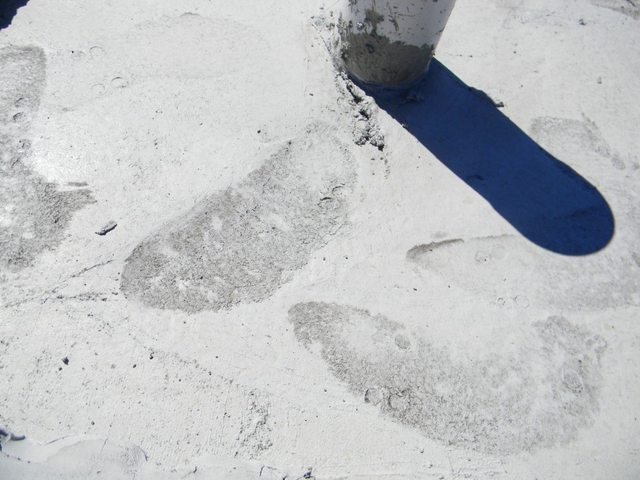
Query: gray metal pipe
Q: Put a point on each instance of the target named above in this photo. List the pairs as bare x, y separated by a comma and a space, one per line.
390, 42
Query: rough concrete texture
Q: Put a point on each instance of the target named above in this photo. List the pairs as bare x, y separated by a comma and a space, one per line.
377, 60
537, 398
238, 246
298, 284
390, 43
34, 213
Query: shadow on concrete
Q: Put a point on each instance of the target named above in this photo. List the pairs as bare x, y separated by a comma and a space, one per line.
544, 199
8, 10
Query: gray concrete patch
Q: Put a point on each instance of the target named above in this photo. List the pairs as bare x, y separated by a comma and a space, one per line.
539, 397
33, 213
378, 47
378, 60
238, 245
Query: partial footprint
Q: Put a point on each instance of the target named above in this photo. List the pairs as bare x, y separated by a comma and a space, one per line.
238, 245
539, 397
630, 8
33, 213
574, 138
73, 458
509, 271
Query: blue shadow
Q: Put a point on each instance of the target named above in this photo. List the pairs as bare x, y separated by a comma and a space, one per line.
8, 9
541, 197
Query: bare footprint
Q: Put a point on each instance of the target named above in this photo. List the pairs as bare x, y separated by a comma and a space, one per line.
33, 213
579, 138
505, 269
238, 245
539, 397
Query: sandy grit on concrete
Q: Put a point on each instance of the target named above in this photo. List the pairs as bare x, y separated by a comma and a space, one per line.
296, 286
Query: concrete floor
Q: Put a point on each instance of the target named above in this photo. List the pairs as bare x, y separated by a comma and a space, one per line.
219, 258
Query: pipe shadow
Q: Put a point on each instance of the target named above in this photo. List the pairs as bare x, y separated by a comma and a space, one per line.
544, 199
8, 10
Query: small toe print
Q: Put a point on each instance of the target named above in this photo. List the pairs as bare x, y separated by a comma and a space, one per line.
119, 82
96, 52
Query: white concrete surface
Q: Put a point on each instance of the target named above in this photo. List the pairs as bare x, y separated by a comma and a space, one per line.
297, 286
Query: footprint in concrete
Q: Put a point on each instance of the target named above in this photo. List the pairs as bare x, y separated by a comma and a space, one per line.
33, 213
239, 245
504, 268
630, 8
540, 396
574, 138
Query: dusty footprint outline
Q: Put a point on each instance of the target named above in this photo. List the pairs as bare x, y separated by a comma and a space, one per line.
507, 268
629, 8
494, 405
238, 245
35, 212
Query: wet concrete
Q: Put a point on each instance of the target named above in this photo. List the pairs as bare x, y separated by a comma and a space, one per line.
377, 60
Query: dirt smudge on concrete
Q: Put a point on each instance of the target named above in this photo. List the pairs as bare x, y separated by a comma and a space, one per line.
630, 8
240, 245
540, 396
419, 250
34, 214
